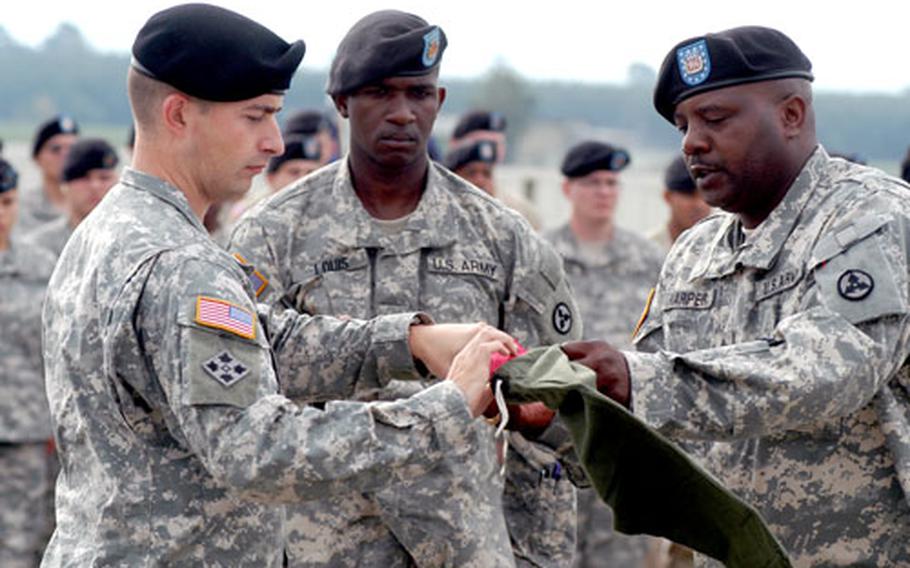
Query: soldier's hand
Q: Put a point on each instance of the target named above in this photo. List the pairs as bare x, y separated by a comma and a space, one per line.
609, 365
470, 369
531, 419
436, 345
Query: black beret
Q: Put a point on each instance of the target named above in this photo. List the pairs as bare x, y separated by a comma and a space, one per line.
732, 57
677, 177
9, 177
88, 154
385, 44
480, 151
479, 120
297, 147
215, 54
591, 156
305, 122
51, 128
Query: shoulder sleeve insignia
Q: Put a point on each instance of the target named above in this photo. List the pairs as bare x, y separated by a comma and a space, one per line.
257, 279
223, 315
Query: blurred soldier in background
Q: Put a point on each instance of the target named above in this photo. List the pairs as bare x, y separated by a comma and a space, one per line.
310, 142
27, 461
686, 206
89, 172
314, 123
611, 271
49, 150
302, 155
479, 143
477, 125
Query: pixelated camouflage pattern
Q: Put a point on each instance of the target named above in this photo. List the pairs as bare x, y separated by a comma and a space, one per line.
164, 464
35, 209
760, 344
52, 236
24, 273
611, 289
461, 257
26, 481
26, 516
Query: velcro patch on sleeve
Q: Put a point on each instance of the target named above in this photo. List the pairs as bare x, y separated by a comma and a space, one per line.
226, 316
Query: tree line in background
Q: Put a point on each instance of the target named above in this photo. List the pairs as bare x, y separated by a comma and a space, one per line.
65, 74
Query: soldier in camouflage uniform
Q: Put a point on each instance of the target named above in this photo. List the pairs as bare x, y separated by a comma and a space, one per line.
611, 270
686, 206
780, 329
50, 147
89, 172
26, 458
386, 230
165, 379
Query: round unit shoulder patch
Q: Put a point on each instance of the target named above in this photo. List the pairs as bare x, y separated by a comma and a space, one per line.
562, 318
855, 285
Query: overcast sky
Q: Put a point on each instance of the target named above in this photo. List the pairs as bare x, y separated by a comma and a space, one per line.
855, 46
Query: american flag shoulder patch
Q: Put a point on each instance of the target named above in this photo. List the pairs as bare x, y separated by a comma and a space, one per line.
221, 314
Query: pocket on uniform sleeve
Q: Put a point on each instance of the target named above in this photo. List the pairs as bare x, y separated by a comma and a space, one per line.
856, 279
224, 356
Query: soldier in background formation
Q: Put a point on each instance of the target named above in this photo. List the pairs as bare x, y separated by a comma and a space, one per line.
49, 150
302, 155
479, 143
686, 206
166, 380
611, 271
780, 329
310, 142
384, 230
26, 454
314, 123
477, 125
90, 170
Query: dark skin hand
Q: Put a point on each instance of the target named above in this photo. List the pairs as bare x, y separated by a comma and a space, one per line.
609, 364
530, 419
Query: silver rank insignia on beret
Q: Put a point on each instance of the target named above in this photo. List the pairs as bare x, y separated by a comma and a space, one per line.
67, 125
694, 62
430, 47
618, 160
225, 368
487, 152
311, 149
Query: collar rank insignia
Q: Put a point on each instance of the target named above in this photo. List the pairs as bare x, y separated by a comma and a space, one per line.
430, 47
694, 63
225, 368
223, 315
